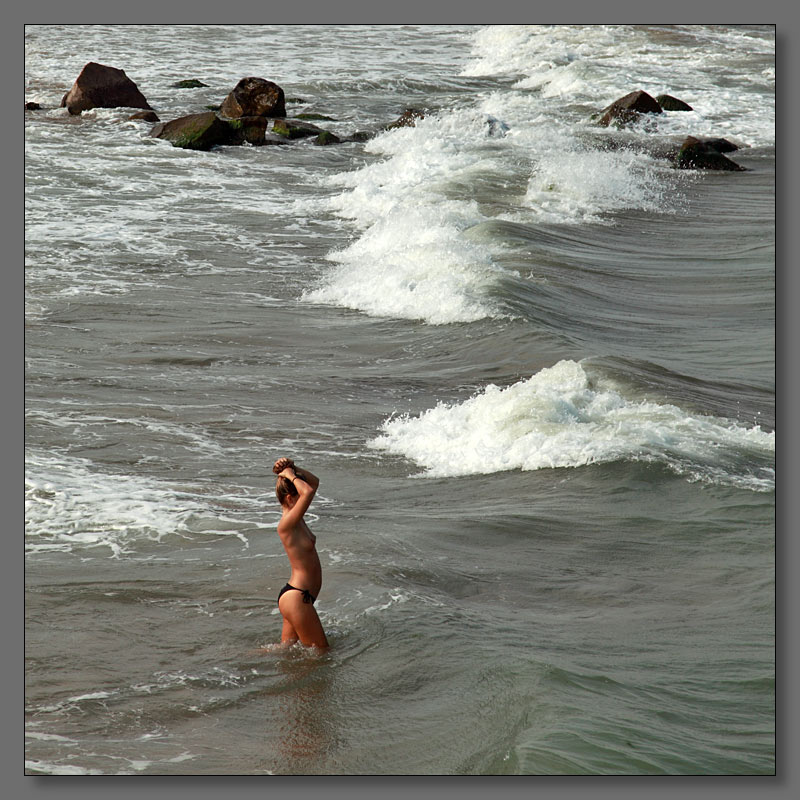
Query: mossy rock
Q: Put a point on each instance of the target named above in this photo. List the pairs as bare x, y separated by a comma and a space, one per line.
248, 129
326, 138
294, 129
296, 100
190, 83
310, 115
196, 131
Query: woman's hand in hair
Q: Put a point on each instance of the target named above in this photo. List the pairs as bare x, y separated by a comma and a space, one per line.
281, 464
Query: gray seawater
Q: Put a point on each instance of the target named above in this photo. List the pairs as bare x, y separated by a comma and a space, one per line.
532, 364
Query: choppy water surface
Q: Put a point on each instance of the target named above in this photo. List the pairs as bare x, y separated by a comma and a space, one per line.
532, 363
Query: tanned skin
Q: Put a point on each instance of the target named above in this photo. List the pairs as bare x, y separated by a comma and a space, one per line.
300, 620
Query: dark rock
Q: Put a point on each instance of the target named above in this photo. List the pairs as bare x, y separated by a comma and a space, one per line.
294, 129
296, 100
147, 116
670, 103
254, 97
248, 129
99, 86
311, 115
326, 138
32, 107
628, 109
189, 83
721, 145
406, 120
196, 131
361, 136
696, 154
214, 108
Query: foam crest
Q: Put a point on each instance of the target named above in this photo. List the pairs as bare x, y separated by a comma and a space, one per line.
537, 49
410, 266
411, 260
581, 185
561, 418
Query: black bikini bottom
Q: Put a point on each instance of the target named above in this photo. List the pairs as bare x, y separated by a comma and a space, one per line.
307, 596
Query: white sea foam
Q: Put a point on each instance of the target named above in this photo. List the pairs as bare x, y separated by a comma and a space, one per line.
48, 737
411, 260
573, 183
73, 703
561, 418
71, 506
449, 172
710, 67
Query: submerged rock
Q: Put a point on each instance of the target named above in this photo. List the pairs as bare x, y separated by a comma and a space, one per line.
670, 103
326, 138
254, 97
147, 116
31, 106
312, 115
361, 136
628, 109
196, 131
99, 86
189, 83
697, 154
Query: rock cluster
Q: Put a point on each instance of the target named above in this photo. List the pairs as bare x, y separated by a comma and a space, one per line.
693, 153
253, 112
698, 154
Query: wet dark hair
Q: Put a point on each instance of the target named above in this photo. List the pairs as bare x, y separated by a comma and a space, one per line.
285, 488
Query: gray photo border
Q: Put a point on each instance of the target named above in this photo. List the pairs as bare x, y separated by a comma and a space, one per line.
785, 784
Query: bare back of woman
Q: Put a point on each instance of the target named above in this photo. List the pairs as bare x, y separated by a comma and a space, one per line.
295, 489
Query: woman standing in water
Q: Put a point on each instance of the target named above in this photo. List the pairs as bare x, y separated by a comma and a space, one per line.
295, 489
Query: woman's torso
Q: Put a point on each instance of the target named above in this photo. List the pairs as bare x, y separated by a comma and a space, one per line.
300, 545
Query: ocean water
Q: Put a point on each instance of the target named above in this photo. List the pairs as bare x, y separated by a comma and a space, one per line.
531, 362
